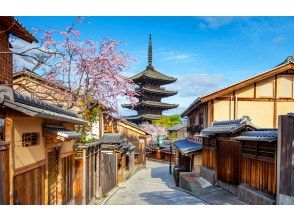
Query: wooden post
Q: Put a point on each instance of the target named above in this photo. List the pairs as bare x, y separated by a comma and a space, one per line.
46, 200
9, 137
84, 175
59, 177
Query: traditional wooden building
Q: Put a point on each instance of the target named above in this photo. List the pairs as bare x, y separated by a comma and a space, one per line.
41, 138
178, 131
132, 132
221, 153
150, 93
262, 97
116, 144
10, 26
242, 159
258, 163
188, 155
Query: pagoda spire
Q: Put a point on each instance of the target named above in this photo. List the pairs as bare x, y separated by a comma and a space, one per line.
150, 53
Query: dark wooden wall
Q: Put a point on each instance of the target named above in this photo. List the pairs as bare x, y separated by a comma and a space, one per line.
29, 187
4, 176
259, 175
286, 126
209, 154
229, 156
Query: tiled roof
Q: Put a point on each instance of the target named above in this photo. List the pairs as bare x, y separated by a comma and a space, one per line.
36, 108
289, 59
268, 135
153, 74
158, 91
177, 127
144, 116
290, 114
61, 131
153, 104
111, 138
228, 126
134, 125
120, 143
187, 146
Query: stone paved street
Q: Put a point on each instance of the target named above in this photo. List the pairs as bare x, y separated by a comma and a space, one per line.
152, 186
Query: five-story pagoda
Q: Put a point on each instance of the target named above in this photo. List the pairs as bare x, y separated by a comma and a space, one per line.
150, 92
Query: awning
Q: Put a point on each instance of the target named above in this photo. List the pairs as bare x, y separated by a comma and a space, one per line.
187, 146
60, 131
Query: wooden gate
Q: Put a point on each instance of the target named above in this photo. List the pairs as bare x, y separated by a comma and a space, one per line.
229, 154
90, 174
52, 176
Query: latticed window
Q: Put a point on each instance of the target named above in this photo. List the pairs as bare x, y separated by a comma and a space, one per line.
30, 139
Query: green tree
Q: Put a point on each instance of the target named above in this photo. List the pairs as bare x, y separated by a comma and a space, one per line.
167, 121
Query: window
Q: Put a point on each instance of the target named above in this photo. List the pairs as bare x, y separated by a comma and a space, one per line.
201, 121
30, 139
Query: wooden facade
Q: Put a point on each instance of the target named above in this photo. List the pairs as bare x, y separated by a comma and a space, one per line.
263, 98
244, 161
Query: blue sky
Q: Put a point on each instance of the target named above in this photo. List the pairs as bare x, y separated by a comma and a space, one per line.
204, 53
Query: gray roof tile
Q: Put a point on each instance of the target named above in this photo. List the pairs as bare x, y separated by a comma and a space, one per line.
228, 126
177, 127
61, 131
268, 135
111, 138
187, 146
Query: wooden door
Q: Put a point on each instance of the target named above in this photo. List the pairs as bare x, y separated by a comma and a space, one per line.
229, 156
52, 176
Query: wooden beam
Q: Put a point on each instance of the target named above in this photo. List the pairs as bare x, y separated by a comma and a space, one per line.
9, 137
254, 90
275, 102
29, 167
247, 82
59, 178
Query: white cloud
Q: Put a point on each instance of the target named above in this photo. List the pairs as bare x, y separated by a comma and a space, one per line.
214, 22
197, 84
175, 56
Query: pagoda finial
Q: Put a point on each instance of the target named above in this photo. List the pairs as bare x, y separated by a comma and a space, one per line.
150, 53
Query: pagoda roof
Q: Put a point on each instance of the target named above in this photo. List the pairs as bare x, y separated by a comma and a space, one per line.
152, 104
143, 117
151, 73
158, 91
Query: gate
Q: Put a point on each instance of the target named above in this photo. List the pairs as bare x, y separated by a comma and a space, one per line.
229, 154
52, 176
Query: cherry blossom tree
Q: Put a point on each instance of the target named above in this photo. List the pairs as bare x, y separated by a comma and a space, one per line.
84, 73
154, 131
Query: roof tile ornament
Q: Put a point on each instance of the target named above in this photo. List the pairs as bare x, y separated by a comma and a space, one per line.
289, 59
150, 53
